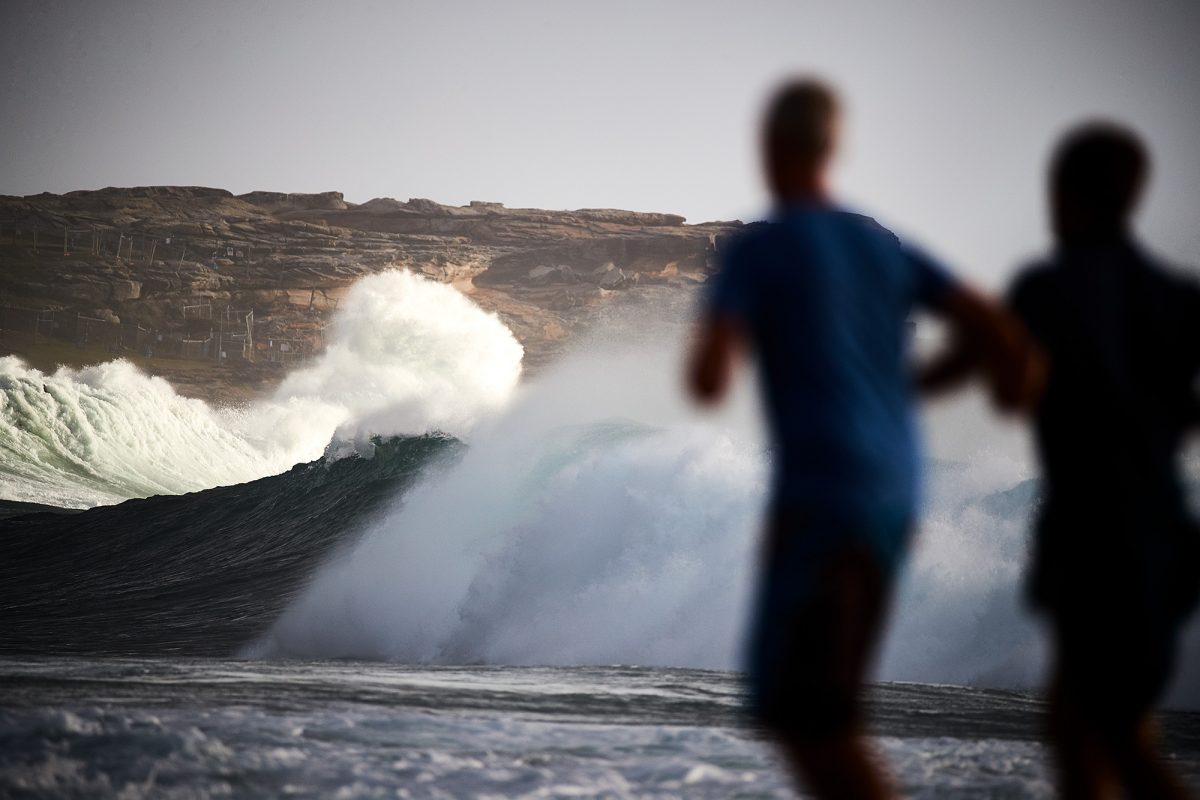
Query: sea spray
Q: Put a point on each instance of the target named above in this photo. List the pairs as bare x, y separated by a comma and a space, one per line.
596, 521
405, 356
600, 520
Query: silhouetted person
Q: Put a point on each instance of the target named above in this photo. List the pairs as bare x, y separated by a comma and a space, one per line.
1117, 559
820, 296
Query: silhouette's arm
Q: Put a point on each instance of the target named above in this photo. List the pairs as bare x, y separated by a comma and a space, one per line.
1191, 415
986, 338
949, 369
1193, 315
713, 357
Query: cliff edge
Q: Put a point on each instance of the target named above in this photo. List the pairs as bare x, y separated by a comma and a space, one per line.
221, 292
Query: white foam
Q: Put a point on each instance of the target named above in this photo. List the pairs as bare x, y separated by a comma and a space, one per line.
405, 355
597, 521
600, 521
408, 355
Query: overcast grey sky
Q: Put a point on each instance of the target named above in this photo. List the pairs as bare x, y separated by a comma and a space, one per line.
954, 105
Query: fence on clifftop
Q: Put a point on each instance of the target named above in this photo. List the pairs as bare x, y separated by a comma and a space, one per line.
231, 335
129, 245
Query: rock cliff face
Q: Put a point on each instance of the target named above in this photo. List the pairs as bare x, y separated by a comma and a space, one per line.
180, 263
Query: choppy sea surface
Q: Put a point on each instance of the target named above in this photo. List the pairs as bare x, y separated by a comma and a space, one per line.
179, 728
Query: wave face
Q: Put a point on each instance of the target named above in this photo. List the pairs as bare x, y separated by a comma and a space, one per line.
405, 356
200, 574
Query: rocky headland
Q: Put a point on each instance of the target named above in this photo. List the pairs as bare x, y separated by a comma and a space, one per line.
219, 293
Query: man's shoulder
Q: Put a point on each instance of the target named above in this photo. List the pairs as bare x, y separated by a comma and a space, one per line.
1176, 279
869, 225
1033, 278
753, 244
1036, 271
753, 234
1052, 274
794, 227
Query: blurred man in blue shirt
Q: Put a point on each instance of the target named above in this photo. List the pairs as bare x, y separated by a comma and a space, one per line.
821, 297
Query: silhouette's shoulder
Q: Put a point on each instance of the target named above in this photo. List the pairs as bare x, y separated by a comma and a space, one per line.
1033, 278
748, 233
1177, 300
798, 229
753, 231
748, 242
870, 225
1172, 277
1037, 292
1186, 284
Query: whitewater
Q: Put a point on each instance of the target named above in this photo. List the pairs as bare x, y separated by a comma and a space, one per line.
594, 517
404, 355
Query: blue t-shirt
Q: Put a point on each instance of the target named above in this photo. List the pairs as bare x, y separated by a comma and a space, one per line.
825, 295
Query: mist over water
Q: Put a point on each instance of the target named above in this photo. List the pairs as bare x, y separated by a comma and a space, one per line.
603, 520
600, 519
597, 521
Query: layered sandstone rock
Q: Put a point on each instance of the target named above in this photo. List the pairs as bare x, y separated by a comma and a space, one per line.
147, 254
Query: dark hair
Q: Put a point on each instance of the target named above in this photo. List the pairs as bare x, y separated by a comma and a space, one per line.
1100, 168
800, 119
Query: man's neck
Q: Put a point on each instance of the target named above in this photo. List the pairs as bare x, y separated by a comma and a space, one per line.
806, 199
1087, 239
802, 190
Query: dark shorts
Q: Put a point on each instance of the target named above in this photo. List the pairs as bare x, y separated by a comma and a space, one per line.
1113, 673
820, 610
1116, 597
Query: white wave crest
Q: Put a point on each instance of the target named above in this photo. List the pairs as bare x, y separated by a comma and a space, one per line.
405, 355
408, 355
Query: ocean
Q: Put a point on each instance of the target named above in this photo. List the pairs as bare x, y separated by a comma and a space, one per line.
409, 573
184, 728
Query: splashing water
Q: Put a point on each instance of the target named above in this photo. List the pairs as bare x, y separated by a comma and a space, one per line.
599, 520
406, 356
595, 520
107, 433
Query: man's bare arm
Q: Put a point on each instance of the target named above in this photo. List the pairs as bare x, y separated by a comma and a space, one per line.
987, 338
949, 369
714, 356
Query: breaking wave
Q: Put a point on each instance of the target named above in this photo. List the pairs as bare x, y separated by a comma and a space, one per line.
601, 521
405, 356
592, 518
